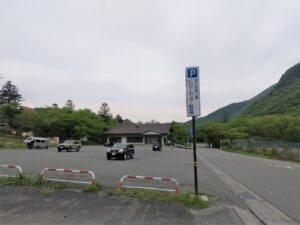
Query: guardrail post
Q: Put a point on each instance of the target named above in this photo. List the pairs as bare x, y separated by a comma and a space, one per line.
93, 181
176, 190
19, 168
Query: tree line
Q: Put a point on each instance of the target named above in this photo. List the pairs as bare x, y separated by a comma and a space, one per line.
64, 122
270, 127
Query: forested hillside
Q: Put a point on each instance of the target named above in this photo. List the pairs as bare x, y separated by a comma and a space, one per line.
233, 110
284, 98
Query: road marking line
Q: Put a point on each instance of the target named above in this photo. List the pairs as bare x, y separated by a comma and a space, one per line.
267, 213
254, 157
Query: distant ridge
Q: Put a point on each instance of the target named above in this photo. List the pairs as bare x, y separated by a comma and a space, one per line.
284, 98
280, 98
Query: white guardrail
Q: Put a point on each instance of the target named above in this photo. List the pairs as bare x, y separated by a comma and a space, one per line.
121, 185
182, 146
93, 181
19, 168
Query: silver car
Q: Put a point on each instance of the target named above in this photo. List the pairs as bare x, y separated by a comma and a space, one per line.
69, 145
36, 142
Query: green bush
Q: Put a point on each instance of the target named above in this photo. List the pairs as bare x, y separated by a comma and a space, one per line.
274, 152
93, 188
291, 156
183, 198
16, 181
265, 152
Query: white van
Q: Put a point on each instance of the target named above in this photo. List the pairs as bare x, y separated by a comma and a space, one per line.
36, 142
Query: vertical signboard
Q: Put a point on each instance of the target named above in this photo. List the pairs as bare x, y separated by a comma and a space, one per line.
192, 91
193, 109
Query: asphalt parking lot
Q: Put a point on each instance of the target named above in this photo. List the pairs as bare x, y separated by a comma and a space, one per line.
171, 162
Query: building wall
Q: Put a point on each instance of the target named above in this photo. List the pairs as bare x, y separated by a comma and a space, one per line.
124, 138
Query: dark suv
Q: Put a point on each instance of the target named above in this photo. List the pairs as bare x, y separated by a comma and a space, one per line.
121, 151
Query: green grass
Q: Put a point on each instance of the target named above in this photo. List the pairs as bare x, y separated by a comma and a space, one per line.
26, 181
47, 188
10, 141
93, 188
17, 181
186, 199
263, 154
9, 145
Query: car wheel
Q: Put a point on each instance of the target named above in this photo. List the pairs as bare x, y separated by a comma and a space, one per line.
78, 149
37, 147
124, 156
108, 157
69, 149
46, 147
59, 150
132, 155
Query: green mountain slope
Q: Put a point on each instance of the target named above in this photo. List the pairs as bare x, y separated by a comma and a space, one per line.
280, 98
231, 111
283, 99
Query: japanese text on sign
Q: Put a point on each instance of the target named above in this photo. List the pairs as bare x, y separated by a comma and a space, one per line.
192, 91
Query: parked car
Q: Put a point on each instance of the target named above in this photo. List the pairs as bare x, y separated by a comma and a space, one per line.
121, 151
108, 144
69, 145
36, 142
156, 147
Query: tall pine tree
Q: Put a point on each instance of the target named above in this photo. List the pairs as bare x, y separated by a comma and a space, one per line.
104, 112
10, 94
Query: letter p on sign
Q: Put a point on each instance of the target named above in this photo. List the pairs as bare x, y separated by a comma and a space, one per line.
192, 73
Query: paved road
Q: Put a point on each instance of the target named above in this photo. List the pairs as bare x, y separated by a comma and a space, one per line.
171, 162
27, 206
276, 182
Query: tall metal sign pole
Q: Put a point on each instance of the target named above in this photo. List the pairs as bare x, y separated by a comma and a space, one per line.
193, 109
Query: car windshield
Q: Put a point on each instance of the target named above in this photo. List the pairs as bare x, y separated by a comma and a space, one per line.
119, 145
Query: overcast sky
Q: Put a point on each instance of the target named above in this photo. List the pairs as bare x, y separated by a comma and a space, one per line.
132, 54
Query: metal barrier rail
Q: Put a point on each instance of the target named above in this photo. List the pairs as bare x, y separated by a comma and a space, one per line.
182, 146
19, 168
149, 178
69, 171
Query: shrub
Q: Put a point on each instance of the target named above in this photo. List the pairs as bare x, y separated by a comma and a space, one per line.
265, 152
274, 152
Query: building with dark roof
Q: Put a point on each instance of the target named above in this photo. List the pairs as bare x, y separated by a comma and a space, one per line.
139, 133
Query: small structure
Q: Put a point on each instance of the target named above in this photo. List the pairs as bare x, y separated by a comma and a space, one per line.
139, 133
53, 140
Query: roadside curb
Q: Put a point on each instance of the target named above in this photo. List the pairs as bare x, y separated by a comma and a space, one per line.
267, 213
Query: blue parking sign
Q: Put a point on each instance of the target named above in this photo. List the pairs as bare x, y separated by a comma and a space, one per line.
192, 72
192, 91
